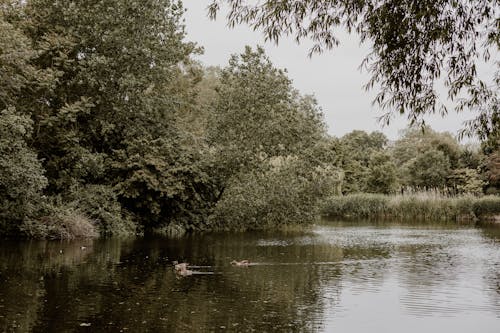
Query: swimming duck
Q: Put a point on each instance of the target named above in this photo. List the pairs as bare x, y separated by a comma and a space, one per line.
181, 267
184, 272
240, 263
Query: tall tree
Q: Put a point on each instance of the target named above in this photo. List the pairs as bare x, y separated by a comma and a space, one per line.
428, 159
258, 114
115, 62
358, 148
117, 76
273, 160
429, 169
382, 175
21, 174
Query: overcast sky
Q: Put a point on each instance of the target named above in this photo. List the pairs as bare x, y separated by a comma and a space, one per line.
333, 77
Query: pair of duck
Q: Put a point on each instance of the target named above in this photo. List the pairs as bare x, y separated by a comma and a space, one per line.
182, 268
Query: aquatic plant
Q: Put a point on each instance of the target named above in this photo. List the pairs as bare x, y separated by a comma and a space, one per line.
428, 206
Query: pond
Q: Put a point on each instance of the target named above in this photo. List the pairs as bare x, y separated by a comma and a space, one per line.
336, 277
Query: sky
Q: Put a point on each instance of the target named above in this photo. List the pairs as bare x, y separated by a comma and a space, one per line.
333, 77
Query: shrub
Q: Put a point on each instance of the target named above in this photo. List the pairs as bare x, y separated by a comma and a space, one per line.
62, 224
489, 205
100, 203
287, 194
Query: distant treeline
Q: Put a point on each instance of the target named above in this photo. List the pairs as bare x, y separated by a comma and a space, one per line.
107, 126
421, 160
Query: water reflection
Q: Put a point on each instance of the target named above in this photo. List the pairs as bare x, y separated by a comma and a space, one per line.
336, 277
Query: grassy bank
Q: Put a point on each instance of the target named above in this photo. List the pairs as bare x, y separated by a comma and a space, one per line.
421, 206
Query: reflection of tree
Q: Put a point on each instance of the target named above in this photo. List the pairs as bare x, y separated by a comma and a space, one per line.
114, 285
299, 280
24, 268
492, 232
31, 271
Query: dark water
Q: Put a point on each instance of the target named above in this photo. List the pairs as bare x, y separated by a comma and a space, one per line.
340, 278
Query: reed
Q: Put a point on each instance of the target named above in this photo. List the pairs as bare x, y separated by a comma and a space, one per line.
422, 206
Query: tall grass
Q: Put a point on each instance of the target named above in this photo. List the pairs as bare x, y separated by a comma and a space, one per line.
424, 206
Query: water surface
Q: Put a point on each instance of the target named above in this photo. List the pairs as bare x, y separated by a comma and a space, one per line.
337, 277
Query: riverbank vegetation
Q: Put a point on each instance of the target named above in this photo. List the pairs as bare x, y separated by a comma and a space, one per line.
426, 206
108, 126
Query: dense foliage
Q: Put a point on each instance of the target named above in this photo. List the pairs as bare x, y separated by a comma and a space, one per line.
265, 174
108, 126
108, 120
21, 173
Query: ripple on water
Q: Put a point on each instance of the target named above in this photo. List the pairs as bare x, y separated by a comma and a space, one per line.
347, 279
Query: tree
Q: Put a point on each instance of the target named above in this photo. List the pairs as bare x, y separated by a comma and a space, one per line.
493, 171
382, 176
116, 65
108, 88
194, 120
285, 193
163, 182
358, 147
414, 44
21, 173
258, 115
272, 159
416, 142
429, 169
466, 181
15, 54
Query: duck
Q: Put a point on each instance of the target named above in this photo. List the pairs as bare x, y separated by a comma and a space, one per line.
240, 263
184, 272
180, 267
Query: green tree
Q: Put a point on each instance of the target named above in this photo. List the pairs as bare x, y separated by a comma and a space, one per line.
429, 169
466, 181
194, 120
15, 54
163, 182
21, 173
492, 171
418, 142
284, 194
258, 115
108, 119
414, 44
382, 176
272, 159
115, 63
357, 147
415, 141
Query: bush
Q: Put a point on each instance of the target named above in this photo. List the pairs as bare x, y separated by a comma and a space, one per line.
62, 224
100, 203
287, 194
489, 205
